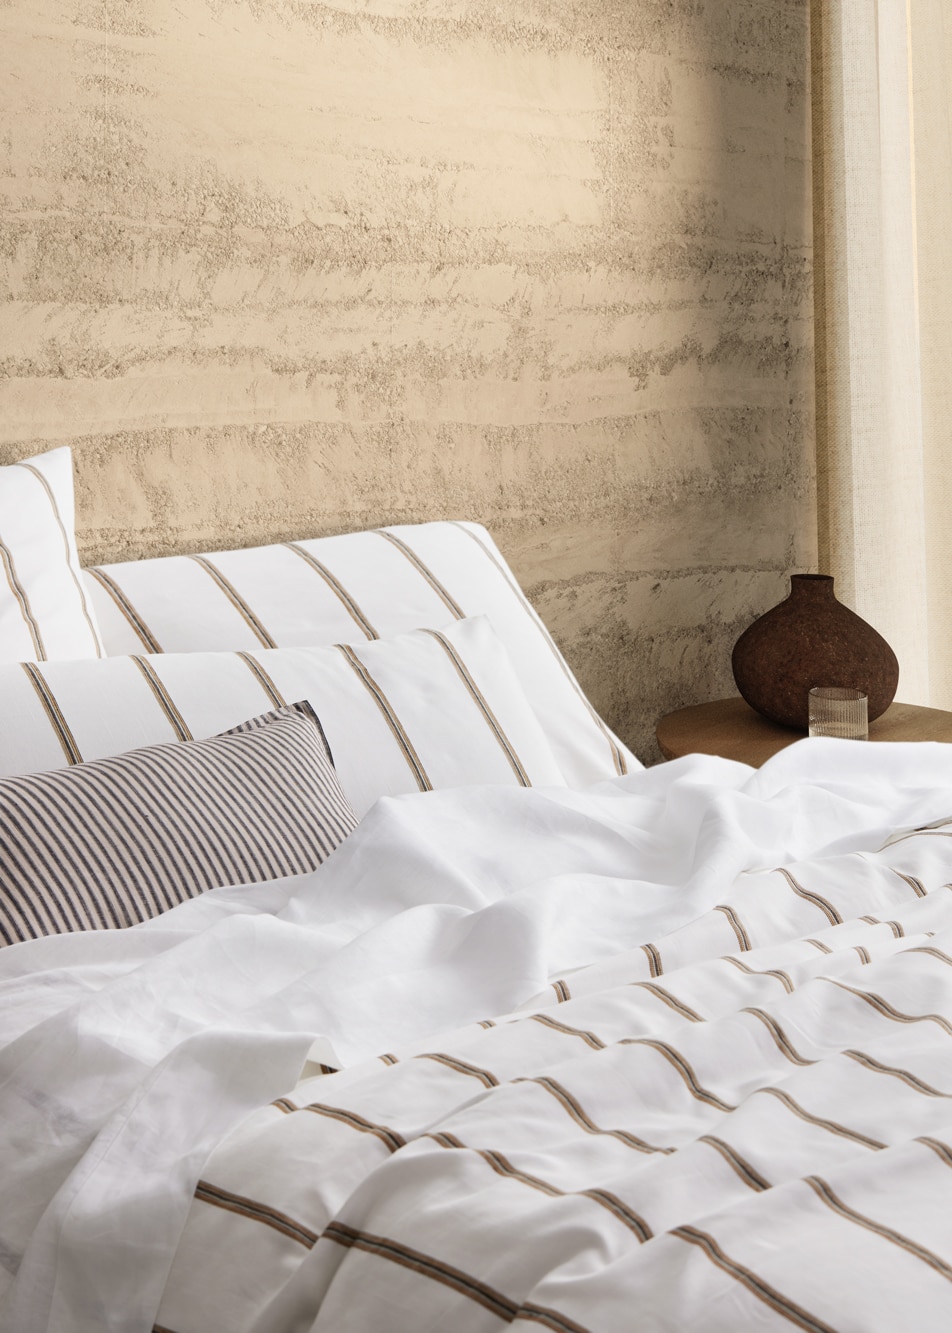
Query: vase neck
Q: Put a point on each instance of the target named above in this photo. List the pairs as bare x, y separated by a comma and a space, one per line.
815, 587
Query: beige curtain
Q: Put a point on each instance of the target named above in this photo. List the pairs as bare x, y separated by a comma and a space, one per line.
882, 101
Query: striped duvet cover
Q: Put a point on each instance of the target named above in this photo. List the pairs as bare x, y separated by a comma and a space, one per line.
673, 1053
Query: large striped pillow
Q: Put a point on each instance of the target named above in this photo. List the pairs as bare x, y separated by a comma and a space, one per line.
44, 608
432, 708
117, 841
351, 589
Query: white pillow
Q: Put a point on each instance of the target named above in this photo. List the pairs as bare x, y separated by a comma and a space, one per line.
349, 589
44, 611
424, 710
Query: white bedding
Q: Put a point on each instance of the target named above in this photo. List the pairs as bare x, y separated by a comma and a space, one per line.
715, 1093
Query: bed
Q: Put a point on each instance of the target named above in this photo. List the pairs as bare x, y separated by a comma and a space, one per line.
355, 976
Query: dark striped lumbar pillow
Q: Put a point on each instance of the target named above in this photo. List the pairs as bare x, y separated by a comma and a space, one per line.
117, 841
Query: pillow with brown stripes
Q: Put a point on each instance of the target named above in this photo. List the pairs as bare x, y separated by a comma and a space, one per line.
117, 841
44, 610
432, 708
352, 588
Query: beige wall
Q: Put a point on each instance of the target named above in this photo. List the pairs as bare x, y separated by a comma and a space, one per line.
282, 267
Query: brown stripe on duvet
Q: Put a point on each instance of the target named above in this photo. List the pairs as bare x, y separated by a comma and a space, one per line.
748, 1174
828, 910
337, 588
821, 1122
783, 1042
164, 699
503, 1167
19, 592
832, 1200
627, 1216
444, 1139
423, 569
935, 829
889, 1011
489, 1080
631, 1220
941, 1150
915, 884
894, 926
84, 605
237, 601
562, 992
682, 1067
774, 972
590, 1038
390, 717
574, 1109
932, 951
388, 1137
255, 1212
777, 1302
618, 758
654, 959
55, 714
743, 939
425, 1265
911, 1080
670, 1000
129, 612
482, 704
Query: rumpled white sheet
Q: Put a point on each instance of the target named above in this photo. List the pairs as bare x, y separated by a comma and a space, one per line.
125, 1057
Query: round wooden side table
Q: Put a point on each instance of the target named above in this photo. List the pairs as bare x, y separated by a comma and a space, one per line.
730, 728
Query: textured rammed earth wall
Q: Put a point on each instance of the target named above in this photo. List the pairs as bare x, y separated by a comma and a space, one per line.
280, 267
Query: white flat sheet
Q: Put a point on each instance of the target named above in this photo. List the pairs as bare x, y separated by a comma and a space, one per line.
126, 1058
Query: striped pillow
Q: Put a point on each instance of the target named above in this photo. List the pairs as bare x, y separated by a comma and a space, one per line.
44, 610
117, 841
432, 708
350, 589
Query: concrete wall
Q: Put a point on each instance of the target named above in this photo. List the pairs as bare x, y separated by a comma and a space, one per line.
283, 267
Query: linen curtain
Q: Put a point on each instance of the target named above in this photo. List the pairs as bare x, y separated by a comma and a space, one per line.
882, 145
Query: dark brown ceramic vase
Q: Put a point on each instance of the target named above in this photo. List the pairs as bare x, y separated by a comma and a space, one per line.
811, 639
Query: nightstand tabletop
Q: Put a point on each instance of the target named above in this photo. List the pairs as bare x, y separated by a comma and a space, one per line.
730, 728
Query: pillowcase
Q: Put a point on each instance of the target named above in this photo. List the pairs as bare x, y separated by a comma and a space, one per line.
44, 610
426, 709
117, 841
351, 589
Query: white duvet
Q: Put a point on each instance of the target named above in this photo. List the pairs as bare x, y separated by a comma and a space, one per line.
671, 1053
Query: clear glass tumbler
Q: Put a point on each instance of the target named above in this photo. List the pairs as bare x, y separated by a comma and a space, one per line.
838, 711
